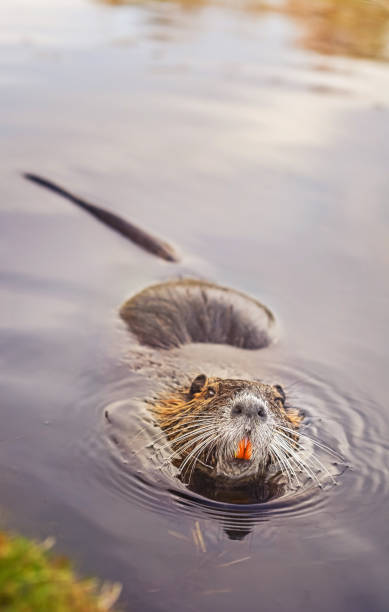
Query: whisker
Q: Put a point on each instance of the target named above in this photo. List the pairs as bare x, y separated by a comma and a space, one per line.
197, 450
285, 461
318, 443
175, 441
164, 432
196, 457
298, 460
311, 459
213, 440
187, 445
275, 454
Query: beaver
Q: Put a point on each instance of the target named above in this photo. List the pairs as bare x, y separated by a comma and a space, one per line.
231, 430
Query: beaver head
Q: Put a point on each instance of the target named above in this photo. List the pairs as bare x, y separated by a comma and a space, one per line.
231, 428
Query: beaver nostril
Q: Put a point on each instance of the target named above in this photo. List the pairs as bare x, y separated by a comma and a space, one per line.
237, 410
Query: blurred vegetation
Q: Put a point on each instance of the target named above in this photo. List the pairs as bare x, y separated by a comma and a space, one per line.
31, 580
358, 28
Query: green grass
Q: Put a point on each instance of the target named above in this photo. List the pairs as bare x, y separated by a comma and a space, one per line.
33, 580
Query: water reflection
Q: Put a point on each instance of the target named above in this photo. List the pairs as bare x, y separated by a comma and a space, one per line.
186, 4
259, 492
219, 145
345, 27
333, 27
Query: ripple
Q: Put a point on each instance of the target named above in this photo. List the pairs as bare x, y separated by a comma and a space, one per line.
346, 418
127, 458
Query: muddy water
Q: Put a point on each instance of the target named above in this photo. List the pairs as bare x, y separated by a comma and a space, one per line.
266, 164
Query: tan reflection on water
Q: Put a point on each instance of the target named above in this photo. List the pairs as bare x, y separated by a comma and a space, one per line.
358, 28
183, 3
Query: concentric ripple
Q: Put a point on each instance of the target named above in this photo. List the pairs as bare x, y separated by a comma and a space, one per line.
128, 452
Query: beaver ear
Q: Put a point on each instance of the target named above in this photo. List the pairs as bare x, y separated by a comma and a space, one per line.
198, 384
280, 391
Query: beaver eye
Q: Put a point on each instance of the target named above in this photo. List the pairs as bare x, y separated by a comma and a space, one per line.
211, 392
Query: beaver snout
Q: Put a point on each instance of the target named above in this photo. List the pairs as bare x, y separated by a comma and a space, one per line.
249, 406
251, 411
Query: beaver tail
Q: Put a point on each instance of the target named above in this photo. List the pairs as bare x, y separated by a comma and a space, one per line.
143, 239
179, 312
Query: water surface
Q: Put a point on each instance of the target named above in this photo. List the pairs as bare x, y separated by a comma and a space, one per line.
257, 142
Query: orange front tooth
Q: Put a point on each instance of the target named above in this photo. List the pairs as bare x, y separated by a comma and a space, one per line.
248, 450
240, 452
244, 450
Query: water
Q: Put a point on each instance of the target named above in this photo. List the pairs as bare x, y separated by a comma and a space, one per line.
257, 144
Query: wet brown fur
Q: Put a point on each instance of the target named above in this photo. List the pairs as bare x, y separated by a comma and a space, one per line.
178, 312
184, 311
175, 411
